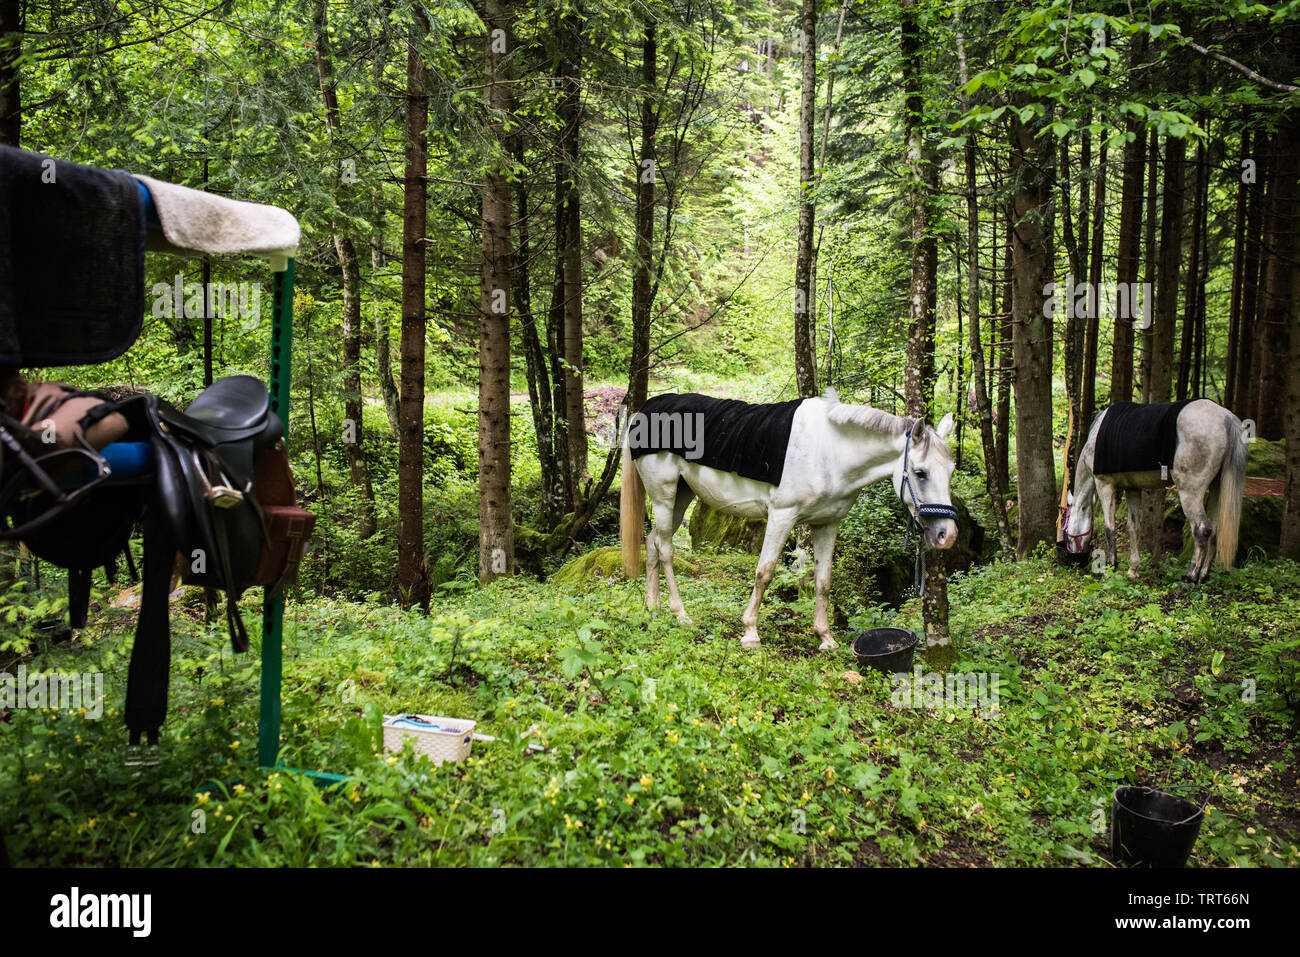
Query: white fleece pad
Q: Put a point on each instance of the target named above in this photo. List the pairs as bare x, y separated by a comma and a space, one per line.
195, 221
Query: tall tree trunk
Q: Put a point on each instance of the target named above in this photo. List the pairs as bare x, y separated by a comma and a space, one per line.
1128, 258
496, 537
1290, 544
983, 408
1031, 265
11, 102
642, 278
1187, 342
918, 381
1253, 280
570, 111
555, 346
805, 359
1074, 311
1006, 369
1238, 270
412, 560
1092, 332
539, 380
345, 249
1277, 305
1149, 261
1171, 250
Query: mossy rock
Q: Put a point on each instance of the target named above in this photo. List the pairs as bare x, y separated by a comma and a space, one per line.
710, 528
1266, 459
603, 565
1261, 527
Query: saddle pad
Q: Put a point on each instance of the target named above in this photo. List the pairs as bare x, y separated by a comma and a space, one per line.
723, 434
1137, 438
71, 261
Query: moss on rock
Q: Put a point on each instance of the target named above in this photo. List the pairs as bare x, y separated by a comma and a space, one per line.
710, 528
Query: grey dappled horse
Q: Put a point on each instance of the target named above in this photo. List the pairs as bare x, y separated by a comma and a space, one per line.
1210, 457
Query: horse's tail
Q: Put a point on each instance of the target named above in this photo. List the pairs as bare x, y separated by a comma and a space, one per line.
631, 513
1232, 483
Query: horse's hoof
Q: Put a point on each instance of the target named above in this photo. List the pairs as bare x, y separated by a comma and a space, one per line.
684, 619
1132, 574
749, 642
827, 645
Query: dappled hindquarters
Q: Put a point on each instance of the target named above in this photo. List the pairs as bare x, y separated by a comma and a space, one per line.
668, 744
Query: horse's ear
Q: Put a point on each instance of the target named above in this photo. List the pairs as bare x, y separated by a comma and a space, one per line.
918, 431
945, 427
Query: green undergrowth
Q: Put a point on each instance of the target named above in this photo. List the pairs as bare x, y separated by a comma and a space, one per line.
670, 744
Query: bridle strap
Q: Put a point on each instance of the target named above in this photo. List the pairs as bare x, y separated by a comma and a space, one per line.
916, 511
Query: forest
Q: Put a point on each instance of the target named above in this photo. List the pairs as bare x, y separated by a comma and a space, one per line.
519, 223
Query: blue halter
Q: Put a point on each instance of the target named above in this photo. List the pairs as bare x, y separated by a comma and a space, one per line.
916, 511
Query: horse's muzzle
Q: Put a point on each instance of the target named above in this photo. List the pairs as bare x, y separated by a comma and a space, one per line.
942, 534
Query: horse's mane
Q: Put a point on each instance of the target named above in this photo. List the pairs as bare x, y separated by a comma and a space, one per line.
877, 420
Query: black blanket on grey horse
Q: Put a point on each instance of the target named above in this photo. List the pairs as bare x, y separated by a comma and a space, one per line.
723, 434
1137, 438
71, 261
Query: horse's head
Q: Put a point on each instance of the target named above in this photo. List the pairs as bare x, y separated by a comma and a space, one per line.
1078, 525
921, 479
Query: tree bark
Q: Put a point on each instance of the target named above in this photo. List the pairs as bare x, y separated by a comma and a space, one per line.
1187, 346
345, 249
1171, 249
1092, 331
1031, 265
539, 380
412, 560
570, 112
642, 278
1276, 305
496, 539
1128, 256
805, 359
11, 108
982, 405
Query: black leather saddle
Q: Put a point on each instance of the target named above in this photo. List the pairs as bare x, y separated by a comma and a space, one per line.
203, 459
198, 501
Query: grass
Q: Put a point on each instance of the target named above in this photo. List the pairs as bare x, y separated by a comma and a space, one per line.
671, 745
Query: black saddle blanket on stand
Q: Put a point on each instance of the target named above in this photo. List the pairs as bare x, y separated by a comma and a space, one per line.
1137, 438
723, 434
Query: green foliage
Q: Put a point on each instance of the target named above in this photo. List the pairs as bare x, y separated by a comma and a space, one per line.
664, 744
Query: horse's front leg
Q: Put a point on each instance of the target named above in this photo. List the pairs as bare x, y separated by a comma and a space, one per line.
779, 523
1133, 501
1109, 496
823, 542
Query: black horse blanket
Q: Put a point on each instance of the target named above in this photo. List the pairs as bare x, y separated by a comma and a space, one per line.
723, 434
71, 261
1137, 438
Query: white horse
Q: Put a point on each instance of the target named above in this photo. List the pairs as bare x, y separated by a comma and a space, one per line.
1211, 455
836, 450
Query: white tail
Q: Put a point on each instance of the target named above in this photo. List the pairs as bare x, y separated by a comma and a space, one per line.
631, 513
1232, 483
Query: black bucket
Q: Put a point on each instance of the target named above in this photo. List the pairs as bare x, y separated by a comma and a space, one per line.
1071, 559
1153, 828
889, 650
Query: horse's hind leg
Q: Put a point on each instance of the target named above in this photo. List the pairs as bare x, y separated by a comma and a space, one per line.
663, 532
779, 523
1202, 534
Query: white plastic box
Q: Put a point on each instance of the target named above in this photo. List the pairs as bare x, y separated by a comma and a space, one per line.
446, 739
